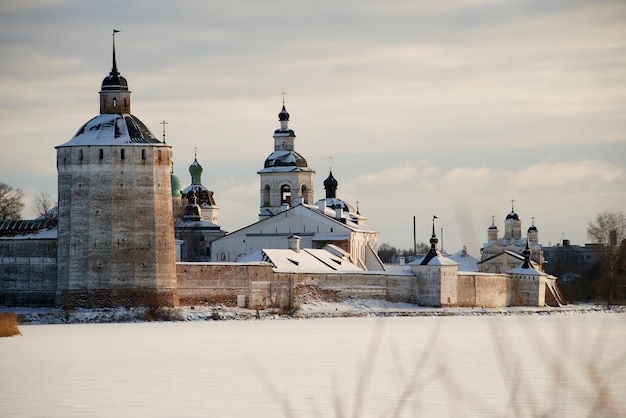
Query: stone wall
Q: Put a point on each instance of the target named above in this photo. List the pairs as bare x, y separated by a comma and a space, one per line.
203, 283
28, 281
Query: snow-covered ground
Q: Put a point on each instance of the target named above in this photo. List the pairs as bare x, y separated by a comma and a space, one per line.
394, 360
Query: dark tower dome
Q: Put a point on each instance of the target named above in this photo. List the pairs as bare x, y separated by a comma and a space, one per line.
330, 185
533, 228
114, 81
513, 216
283, 115
285, 159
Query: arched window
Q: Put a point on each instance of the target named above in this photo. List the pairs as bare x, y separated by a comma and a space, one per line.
303, 193
114, 102
285, 195
266, 195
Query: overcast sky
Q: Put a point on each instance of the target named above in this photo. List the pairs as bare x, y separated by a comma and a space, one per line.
447, 108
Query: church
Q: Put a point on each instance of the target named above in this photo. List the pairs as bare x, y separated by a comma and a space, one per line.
128, 235
500, 254
287, 208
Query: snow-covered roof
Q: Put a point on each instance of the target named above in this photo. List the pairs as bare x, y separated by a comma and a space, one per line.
113, 129
306, 260
466, 261
525, 271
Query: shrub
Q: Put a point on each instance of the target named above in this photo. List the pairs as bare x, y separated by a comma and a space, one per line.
8, 324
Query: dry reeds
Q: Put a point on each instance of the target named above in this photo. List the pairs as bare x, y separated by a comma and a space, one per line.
8, 324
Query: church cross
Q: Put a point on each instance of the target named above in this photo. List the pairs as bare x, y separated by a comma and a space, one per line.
283, 94
330, 162
164, 123
512, 203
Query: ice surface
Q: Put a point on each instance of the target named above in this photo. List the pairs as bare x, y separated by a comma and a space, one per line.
524, 365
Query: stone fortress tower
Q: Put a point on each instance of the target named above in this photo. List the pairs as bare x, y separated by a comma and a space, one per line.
115, 226
286, 178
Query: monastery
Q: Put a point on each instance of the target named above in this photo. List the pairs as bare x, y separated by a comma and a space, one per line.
128, 234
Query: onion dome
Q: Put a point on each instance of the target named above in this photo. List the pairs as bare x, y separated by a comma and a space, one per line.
195, 169
330, 185
283, 115
176, 184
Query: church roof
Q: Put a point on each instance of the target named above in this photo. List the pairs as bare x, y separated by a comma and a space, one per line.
285, 158
113, 129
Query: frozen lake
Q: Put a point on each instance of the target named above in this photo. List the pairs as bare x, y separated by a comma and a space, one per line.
529, 365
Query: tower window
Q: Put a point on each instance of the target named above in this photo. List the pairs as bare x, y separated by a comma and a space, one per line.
285, 195
303, 193
143, 154
266, 195
114, 102
159, 155
80, 155
123, 154
101, 154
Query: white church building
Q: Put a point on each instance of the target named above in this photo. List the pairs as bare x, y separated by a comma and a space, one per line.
287, 209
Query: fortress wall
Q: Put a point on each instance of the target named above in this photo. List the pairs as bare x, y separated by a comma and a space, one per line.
28, 281
484, 290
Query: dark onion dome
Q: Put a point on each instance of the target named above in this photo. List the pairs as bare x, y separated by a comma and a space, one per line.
492, 226
330, 182
513, 216
283, 115
113, 129
285, 158
533, 228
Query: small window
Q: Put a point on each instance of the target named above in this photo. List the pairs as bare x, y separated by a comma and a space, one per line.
114, 102
122, 154
80, 154
101, 154
285, 195
223, 256
159, 155
143, 154
266, 195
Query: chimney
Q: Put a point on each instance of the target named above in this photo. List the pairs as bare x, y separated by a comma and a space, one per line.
322, 205
338, 212
294, 243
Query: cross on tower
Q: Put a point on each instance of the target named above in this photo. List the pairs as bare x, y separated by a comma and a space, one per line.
512, 203
330, 162
164, 123
283, 94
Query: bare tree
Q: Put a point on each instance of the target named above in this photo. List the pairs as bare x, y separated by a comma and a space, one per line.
11, 202
45, 207
609, 230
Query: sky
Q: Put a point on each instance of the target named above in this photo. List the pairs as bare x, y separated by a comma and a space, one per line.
451, 108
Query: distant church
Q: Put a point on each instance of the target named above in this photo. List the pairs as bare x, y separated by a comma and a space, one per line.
500, 254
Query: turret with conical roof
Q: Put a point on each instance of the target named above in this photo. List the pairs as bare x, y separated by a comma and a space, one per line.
114, 94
